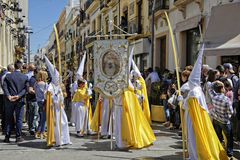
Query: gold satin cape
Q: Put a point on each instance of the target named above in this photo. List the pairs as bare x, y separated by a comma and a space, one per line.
136, 130
207, 143
97, 117
146, 109
50, 118
82, 96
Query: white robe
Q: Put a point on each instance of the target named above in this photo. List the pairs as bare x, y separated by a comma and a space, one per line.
57, 99
81, 113
81, 117
117, 103
197, 93
65, 138
73, 90
105, 125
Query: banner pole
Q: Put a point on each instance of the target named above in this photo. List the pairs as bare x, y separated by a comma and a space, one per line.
111, 107
178, 82
60, 74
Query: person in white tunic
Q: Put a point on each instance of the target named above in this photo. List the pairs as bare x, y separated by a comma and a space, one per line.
73, 89
81, 99
117, 113
102, 118
105, 124
55, 105
203, 142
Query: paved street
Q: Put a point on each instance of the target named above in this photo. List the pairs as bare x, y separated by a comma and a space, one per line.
167, 147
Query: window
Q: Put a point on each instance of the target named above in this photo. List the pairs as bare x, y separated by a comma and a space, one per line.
131, 8
115, 23
162, 53
193, 39
107, 26
94, 26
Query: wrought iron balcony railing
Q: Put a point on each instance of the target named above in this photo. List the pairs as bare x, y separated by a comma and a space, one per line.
159, 5
88, 4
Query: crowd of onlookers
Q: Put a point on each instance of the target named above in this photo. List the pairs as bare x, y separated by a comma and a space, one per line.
221, 87
22, 100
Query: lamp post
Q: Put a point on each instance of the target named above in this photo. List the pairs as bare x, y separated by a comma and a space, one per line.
28, 31
152, 37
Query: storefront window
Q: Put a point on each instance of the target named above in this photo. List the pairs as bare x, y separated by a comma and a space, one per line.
162, 52
193, 39
141, 60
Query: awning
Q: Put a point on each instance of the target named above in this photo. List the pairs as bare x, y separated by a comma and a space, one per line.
188, 23
141, 46
222, 36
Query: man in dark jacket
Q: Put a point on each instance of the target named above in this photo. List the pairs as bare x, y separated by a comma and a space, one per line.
15, 87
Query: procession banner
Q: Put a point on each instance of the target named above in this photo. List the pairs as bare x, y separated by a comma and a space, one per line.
111, 67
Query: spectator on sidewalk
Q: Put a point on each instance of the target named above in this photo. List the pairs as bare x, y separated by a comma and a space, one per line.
152, 82
15, 87
40, 88
222, 113
10, 69
32, 103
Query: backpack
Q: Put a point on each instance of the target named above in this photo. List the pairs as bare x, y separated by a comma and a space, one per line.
233, 76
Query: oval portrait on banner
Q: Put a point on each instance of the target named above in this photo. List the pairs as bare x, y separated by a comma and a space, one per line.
111, 63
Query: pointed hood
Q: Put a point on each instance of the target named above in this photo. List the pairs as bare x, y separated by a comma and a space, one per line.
79, 74
135, 69
195, 76
53, 71
130, 59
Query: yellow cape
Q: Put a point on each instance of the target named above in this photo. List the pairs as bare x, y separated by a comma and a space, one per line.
97, 117
207, 142
50, 120
136, 130
146, 109
82, 96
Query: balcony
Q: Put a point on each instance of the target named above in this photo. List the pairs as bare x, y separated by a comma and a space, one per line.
181, 5
159, 6
103, 6
91, 6
88, 4
111, 3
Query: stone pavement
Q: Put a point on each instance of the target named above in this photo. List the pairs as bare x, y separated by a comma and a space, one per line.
167, 147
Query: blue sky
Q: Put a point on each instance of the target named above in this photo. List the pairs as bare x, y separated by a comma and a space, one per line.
42, 16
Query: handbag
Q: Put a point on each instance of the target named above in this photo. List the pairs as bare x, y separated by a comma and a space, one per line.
173, 100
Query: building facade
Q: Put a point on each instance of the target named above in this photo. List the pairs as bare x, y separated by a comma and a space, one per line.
13, 21
189, 20
128, 17
145, 28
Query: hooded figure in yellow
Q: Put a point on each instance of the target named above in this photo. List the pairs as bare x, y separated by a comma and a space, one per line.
132, 128
136, 130
203, 143
57, 122
141, 90
81, 103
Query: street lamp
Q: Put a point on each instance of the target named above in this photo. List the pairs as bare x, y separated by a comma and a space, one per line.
29, 31
152, 37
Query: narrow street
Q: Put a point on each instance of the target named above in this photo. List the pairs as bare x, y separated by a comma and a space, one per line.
167, 147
